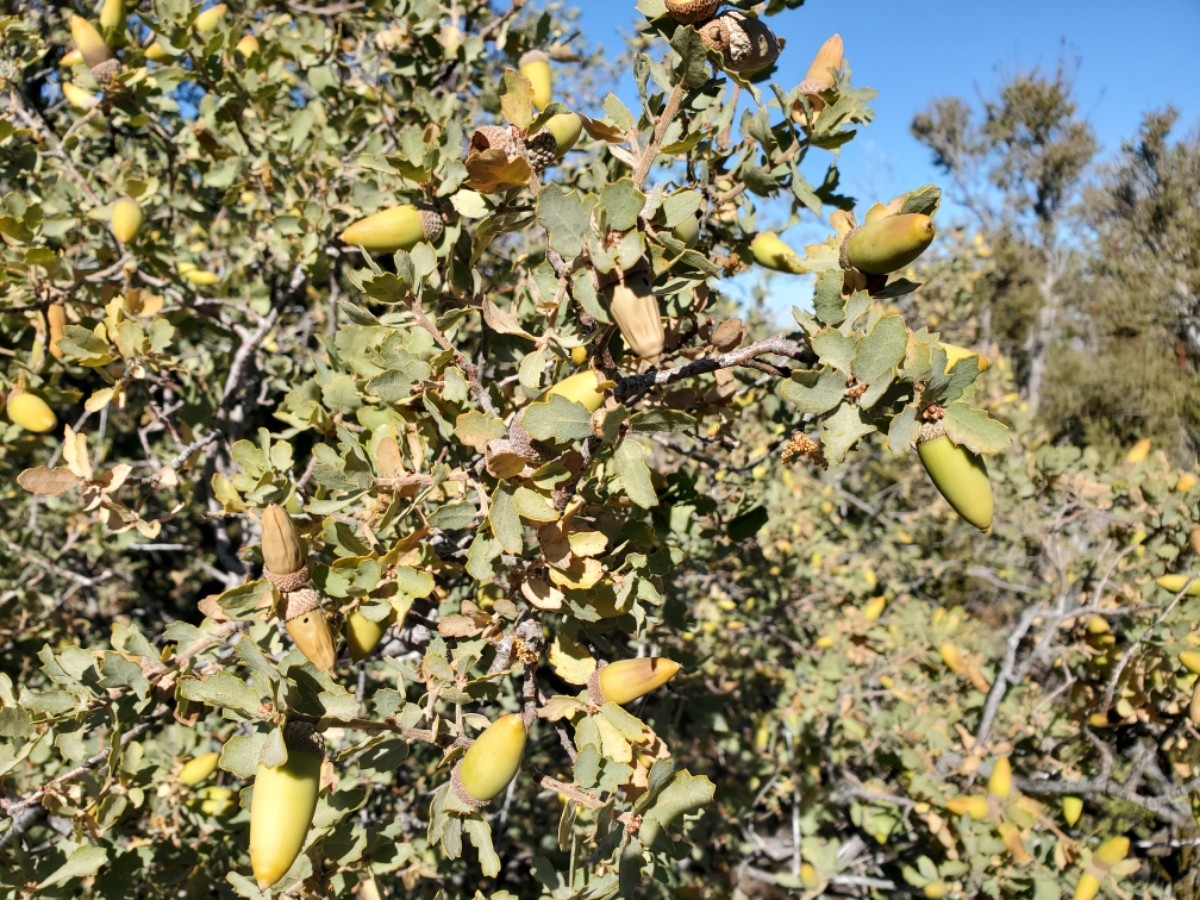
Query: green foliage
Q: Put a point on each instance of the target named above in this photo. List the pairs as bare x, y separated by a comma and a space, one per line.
748, 504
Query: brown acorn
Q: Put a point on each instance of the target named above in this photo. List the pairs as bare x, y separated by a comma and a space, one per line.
284, 560
745, 43
688, 12
306, 623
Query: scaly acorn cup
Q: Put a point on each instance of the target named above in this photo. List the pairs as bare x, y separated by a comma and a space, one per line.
582, 387
363, 635
282, 807
886, 245
625, 681
491, 762
634, 308
285, 564
89, 42
566, 128
308, 628
398, 228
745, 43
126, 219
769, 250
689, 12
30, 412
958, 474
535, 65
197, 770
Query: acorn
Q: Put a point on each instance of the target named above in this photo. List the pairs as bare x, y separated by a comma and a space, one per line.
625, 681
30, 412
112, 22
1176, 583
491, 762
819, 78
1138, 452
956, 354
888, 244
745, 43
582, 387
976, 807
1111, 852
535, 65
1000, 782
566, 128
769, 250
398, 228
687, 232
71, 58
1194, 706
210, 18
285, 563
88, 42
305, 622
283, 803
77, 97
247, 48
56, 320
959, 475
216, 800
1072, 809
688, 12
634, 308
126, 219
199, 769
363, 635
198, 277
156, 52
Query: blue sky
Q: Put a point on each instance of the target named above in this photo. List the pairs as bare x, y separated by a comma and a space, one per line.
1131, 57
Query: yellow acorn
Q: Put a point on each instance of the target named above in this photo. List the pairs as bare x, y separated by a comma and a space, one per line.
582, 387
888, 244
1138, 452
398, 228
625, 681
535, 65
307, 626
959, 475
210, 18
1000, 782
247, 47
71, 58
1072, 809
1186, 482
1087, 887
566, 128
491, 762
30, 412
77, 97
363, 635
1111, 852
769, 250
112, 22
199, 277
56, 320
156, 52
935, 890
634, 308
579, 355
1194, 706
974, 806
126, 219
874, 608
89, 42
952, 658
197, 770
283, 803
955, 354
1176, 583
216, 800
819, 78
1190, 660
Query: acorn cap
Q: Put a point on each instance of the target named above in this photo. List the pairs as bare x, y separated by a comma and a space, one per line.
282, 550
745, 43
304, 737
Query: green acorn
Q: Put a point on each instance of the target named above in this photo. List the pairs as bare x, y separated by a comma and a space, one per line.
888, 244
769, 250
566, 128
959, 475
491, 762
363, 635
582, 387
398, 228
627, 680
282, 807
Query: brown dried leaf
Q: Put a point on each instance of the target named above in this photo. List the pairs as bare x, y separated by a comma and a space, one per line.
47, 482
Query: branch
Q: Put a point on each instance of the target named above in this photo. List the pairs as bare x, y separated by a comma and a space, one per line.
642, 169
635, 385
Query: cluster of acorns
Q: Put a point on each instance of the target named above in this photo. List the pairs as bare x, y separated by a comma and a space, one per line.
745, 43
285, 795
